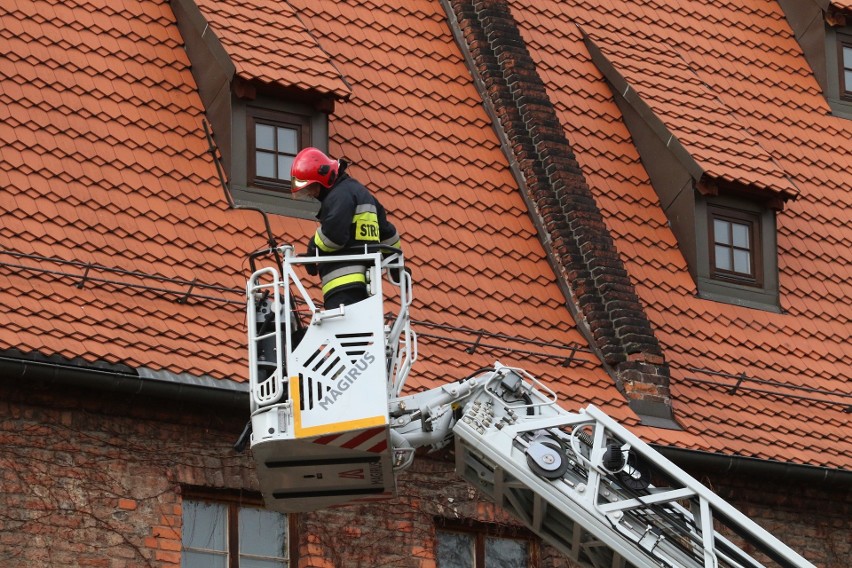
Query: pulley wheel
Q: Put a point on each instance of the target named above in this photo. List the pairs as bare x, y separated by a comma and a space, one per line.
546, 460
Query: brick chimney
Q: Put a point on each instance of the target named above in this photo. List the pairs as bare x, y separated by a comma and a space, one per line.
595, 282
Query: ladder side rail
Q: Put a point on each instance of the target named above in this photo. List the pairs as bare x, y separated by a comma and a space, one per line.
579, 500
271, 389
554, 418
722, 511
705, 525
472, 442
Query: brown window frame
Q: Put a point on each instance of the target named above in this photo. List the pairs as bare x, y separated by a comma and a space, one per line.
752, 221
235, 501
254, 116
482, 531
844, 40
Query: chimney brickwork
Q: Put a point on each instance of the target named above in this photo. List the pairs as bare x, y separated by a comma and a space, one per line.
600, 292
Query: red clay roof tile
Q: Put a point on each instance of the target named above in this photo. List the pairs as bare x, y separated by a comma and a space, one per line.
281, 50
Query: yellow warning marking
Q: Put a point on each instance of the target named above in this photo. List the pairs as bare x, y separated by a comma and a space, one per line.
331, 427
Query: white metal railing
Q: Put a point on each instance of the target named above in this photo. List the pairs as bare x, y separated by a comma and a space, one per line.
263, 293
272, 318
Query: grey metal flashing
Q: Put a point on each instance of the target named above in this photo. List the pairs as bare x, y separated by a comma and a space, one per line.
203, 381
107, 378
653, 414
625, 92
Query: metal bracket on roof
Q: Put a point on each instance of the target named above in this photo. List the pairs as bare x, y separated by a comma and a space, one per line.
570, 358
740, 378
85, 276
470, 350
183, 299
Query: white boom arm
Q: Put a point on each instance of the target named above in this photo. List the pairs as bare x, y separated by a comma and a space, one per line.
580, 480
329, 428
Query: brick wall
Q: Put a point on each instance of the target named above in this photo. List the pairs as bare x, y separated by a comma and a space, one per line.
92, 480
816, 521
402, 533
95, 480
813, 518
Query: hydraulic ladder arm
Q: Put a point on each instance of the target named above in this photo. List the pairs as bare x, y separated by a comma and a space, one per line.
580, 480
328, 428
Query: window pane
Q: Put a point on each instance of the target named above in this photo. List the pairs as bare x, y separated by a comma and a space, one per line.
204, 525
505, 553
847, 57
264, 137
455, 550
193, 559
742, 261
721, 231
723, 261
262, 532
847, 78
284, 165
288, 140
740, 234
265, 165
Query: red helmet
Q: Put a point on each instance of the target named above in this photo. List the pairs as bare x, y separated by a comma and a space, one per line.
312, 166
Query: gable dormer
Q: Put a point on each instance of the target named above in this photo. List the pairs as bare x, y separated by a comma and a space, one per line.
719, 188
267, 91
823, 29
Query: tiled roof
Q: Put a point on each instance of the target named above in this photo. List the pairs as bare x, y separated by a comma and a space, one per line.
112, 210
104, 163
747, 57
693, 112
268, 42
139, 193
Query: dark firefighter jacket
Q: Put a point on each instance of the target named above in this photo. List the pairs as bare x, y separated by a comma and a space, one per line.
349, 216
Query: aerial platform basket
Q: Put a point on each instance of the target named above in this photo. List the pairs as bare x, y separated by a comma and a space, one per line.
320, 381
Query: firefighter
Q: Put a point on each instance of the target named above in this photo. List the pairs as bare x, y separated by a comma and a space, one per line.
349, 216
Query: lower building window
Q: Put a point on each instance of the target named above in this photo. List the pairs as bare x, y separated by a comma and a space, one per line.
467, 548
231, 535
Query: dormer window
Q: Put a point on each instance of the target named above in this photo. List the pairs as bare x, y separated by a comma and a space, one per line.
273, 140
268, 133
824, 32
735, 254
736, 261
720, 199
260, 118
845, 61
